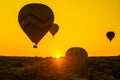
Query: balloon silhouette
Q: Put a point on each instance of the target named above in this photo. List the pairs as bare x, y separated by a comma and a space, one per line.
54, 28
76, 51
110, 35
35, 20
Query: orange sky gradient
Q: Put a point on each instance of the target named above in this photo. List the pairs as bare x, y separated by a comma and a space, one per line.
81, 24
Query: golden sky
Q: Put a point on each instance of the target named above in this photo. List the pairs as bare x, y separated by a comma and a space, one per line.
82, 23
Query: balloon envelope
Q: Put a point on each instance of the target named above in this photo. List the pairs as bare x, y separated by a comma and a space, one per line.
110, 35
54, 29
35, 20
76, 51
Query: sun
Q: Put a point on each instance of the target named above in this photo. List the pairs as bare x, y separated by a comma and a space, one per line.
58, 57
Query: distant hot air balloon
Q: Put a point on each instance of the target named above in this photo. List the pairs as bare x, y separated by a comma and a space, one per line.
54, 28
110, 35
35, 20
76, 51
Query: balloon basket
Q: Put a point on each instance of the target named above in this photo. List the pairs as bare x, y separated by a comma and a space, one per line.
35, 46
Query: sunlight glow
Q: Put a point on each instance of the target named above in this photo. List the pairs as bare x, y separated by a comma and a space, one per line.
57, 57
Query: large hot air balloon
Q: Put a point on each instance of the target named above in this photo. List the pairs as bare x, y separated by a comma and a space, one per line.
110, 35
54, 28
35, 20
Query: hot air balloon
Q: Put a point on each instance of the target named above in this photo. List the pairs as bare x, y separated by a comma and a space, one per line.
110, 35
54, 28
35, 20
76, 51
78, 57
